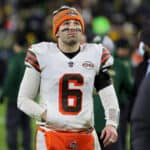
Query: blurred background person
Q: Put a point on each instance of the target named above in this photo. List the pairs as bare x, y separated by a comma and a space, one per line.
140, 118
141, 69
15, 119
140, 73
123, 82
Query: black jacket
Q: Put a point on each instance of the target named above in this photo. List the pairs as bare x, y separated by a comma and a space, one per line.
140, 118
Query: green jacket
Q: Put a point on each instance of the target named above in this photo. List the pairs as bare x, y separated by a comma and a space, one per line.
13, 77
122, 79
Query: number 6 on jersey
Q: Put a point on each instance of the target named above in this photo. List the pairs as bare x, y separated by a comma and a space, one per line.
70, 97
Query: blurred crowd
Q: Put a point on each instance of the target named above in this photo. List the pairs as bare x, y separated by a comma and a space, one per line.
119, 19
115, 23
34, 18
123, 18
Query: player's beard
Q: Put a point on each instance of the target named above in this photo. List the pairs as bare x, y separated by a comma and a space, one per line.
71, 42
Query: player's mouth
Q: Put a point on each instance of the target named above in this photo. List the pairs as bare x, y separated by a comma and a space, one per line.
72, 34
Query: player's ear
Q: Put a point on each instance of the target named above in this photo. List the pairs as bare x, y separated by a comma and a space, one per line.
57, 34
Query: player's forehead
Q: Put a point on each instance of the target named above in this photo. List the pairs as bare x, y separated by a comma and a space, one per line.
71, 21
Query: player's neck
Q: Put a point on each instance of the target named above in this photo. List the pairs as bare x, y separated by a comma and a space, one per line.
68, 48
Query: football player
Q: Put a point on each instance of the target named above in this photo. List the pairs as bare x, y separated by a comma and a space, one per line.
65, 74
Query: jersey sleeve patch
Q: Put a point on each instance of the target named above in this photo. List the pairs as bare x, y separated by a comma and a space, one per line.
32, 60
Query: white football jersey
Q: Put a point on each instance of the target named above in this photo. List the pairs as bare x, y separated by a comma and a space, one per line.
67, 83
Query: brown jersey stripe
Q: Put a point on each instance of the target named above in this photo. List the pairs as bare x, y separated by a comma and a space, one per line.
35, 62
103, 56
105, 51
36, 66
104, 59
32, 59
32, 55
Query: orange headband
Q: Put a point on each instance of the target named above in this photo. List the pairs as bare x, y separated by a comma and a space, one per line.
64, 15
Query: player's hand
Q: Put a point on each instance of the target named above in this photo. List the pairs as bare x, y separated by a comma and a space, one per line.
109, 135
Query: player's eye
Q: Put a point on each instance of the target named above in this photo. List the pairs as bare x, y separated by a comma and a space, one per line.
76, 23
66, 23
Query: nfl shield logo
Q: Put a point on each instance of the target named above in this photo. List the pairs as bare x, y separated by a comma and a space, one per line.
70, 64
